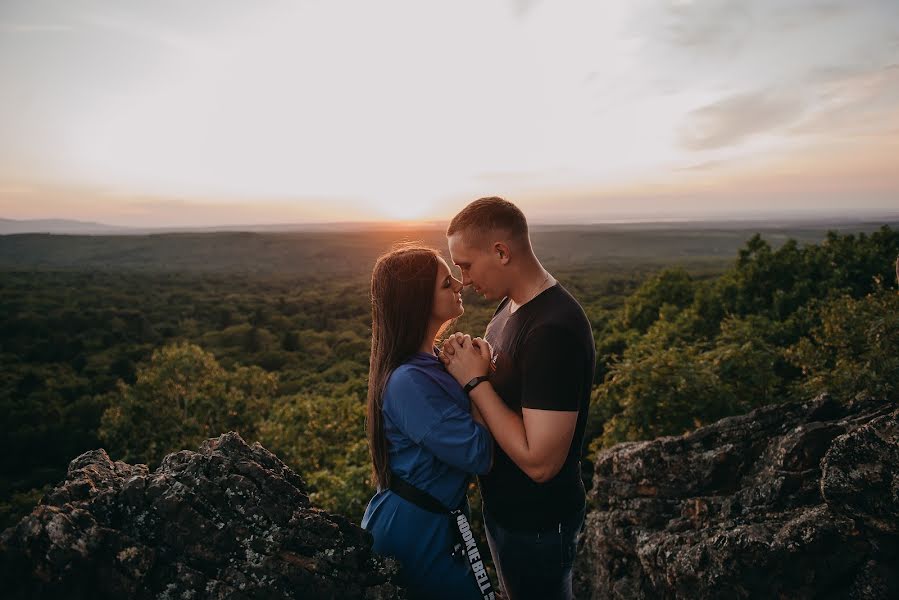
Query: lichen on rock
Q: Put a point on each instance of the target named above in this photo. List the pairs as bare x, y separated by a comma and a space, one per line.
797, 500
228, 521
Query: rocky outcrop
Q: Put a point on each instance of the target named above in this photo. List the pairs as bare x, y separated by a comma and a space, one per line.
229, 521
789, 501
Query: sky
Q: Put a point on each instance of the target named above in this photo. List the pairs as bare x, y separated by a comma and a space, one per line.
177, 113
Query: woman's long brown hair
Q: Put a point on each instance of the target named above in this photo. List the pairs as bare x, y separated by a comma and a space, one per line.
402, 297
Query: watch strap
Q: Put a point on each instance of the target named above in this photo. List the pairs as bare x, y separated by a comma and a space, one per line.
475, 382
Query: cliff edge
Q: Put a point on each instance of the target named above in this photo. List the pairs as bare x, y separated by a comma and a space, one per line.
789, 501
229, 521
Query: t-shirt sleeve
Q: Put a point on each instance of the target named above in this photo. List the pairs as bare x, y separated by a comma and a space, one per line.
552, 364
421, 409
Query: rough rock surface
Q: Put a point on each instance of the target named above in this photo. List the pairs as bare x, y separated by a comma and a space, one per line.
790, 501
229, 521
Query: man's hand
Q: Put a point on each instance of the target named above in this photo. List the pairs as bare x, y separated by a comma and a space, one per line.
447, 349
466, 358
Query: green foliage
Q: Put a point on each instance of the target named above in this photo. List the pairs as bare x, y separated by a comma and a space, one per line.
183, 396
779, 325
655, 390
676, 347
665, 386
671, 289
853, 350
323, 438
18, 504
747, 362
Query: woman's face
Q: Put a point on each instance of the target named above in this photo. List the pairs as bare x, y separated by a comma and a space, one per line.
447, 295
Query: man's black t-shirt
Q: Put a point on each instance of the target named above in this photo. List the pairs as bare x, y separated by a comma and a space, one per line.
545, 358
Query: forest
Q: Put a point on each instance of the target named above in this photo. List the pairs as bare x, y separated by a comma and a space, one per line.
144, 345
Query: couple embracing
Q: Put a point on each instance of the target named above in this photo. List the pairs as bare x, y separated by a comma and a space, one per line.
510, 408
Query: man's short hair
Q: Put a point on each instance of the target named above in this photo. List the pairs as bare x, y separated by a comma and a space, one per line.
488, 215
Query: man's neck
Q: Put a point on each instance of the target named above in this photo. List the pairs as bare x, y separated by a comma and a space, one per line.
530, 286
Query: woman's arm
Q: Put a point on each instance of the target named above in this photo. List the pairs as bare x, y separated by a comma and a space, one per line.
419, 408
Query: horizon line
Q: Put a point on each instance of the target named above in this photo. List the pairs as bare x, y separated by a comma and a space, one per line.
793, 217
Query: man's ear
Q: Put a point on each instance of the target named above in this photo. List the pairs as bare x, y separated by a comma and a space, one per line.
501, 251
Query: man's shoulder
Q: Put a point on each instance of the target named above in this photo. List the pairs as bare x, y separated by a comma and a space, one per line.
561, 309
563, 296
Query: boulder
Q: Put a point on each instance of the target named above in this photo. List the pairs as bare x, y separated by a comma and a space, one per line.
796, 500
228, 521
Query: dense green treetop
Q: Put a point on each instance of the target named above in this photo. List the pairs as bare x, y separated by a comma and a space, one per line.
151, 361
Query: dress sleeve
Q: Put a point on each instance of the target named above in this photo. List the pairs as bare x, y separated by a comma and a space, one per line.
422, 410
460, 442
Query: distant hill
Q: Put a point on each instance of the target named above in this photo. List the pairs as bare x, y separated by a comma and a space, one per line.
754, 223
336, 252
59, 226
72, 227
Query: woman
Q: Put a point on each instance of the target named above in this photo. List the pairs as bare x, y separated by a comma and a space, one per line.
420, 426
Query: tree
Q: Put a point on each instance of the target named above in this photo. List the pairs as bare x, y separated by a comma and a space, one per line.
672, 286
290, 342
657, 389
853, 350
747, 362
323, 438
180, 398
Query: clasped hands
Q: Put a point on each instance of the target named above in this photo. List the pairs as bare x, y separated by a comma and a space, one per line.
466, 357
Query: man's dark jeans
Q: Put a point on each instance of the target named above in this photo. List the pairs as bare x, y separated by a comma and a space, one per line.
535, 564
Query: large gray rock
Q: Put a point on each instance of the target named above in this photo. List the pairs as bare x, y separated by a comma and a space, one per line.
789, 501
229, 521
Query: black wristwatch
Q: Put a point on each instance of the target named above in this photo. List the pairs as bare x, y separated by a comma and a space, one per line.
474, 382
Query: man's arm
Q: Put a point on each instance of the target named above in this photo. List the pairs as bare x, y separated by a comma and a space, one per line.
538, 440
476, 415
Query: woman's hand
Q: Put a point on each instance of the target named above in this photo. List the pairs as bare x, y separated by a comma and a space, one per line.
447, 349
466, 358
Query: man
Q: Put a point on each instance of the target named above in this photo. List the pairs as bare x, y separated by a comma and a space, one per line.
534, 402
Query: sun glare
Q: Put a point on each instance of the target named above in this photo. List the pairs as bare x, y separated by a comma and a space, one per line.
406, 209
198, 120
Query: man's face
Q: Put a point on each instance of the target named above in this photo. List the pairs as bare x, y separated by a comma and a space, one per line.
479, 269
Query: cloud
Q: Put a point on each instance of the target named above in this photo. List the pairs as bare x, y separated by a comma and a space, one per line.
709, 165
519, 177
523, 7
12, 189
791, 16
763, 43
736, 118
148, 32
732, 23
26, 28
854, 101
709, 24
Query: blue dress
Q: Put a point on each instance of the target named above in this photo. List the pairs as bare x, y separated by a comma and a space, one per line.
433, 444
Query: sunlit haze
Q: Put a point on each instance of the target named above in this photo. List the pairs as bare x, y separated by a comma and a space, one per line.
213, 112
